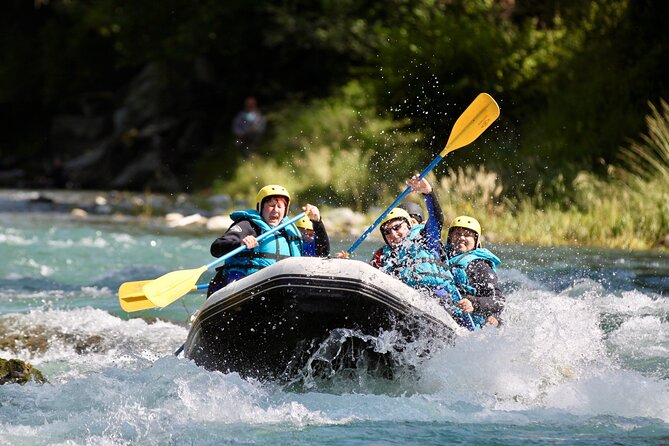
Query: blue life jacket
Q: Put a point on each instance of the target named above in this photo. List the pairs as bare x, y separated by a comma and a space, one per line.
458, 265
416, 265
309, 248
284, 243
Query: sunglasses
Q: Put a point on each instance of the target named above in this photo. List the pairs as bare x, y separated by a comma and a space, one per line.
396, 227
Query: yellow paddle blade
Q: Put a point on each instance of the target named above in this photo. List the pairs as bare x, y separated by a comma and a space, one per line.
469, 126
131, 296
166, 289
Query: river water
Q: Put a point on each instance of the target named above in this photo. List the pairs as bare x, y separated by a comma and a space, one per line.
582, 359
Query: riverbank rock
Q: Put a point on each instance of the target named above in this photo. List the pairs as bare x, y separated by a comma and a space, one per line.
219, 223
176, 220
15, 371
344, 221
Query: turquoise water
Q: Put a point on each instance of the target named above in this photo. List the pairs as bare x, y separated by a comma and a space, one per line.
583, 358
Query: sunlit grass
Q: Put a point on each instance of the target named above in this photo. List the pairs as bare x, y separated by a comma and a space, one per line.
342, 157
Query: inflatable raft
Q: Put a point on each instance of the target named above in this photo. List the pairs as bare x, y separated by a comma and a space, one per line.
271, 324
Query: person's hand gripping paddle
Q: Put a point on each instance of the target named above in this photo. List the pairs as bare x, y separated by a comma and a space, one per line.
166, 289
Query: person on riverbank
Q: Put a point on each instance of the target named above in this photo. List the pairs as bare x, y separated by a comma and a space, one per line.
474, 271
272, 203
315, 240
248, 126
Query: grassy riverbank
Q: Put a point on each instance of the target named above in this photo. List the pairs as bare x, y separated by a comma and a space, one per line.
623, 206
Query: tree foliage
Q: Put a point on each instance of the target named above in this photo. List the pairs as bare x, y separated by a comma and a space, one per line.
572, 77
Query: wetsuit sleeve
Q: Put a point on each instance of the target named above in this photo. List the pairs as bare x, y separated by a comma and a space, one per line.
434, 224
322, 239
489, 299
232, 238
434, 210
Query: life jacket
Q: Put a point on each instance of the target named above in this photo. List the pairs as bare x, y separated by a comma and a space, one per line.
309, 248
414, 264
284, 243
458, 265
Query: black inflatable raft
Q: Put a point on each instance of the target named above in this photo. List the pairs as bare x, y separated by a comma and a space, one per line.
269, 325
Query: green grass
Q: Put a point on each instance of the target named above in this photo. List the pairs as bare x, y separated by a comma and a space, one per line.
340, 152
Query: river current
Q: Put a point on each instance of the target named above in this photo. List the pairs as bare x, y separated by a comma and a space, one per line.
582, 358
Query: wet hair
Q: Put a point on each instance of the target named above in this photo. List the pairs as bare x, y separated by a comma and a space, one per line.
278, 197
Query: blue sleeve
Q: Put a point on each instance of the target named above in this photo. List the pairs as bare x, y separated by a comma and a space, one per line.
432, 227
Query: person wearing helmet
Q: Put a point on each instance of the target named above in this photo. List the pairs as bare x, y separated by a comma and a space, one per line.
474, 270
415, 212
409, 253
315, 240
272, 203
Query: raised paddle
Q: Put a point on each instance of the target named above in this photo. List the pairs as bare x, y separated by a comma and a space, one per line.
166, 289
131, 295
469, 126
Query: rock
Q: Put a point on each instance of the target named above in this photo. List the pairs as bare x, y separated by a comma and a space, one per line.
195, 219
78, 213
343, 220
173, 216
15, 371
219, 223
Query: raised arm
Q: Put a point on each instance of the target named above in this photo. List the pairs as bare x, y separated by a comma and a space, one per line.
435, 216
322, 239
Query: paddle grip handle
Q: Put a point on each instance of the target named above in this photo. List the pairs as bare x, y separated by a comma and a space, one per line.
393, 205
260, 238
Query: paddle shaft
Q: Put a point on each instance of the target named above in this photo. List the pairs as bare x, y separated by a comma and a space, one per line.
174, 285
393, 205
470, 125
458, 297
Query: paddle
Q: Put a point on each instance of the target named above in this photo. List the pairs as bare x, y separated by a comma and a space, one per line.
469, 126
131, 295
469, 320
171, 286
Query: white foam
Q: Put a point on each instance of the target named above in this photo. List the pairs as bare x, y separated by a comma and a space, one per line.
551, 353
642, 337
86, 340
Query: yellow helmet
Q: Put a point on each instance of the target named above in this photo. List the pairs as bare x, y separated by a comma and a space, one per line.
270, 191
465, 221
396, 213
470, 223
305, 223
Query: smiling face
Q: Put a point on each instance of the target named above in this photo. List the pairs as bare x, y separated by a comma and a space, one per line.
394, 231
273, 210
462, 240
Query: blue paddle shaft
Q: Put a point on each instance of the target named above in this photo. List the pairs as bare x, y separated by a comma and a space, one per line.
393, 205
260, 238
